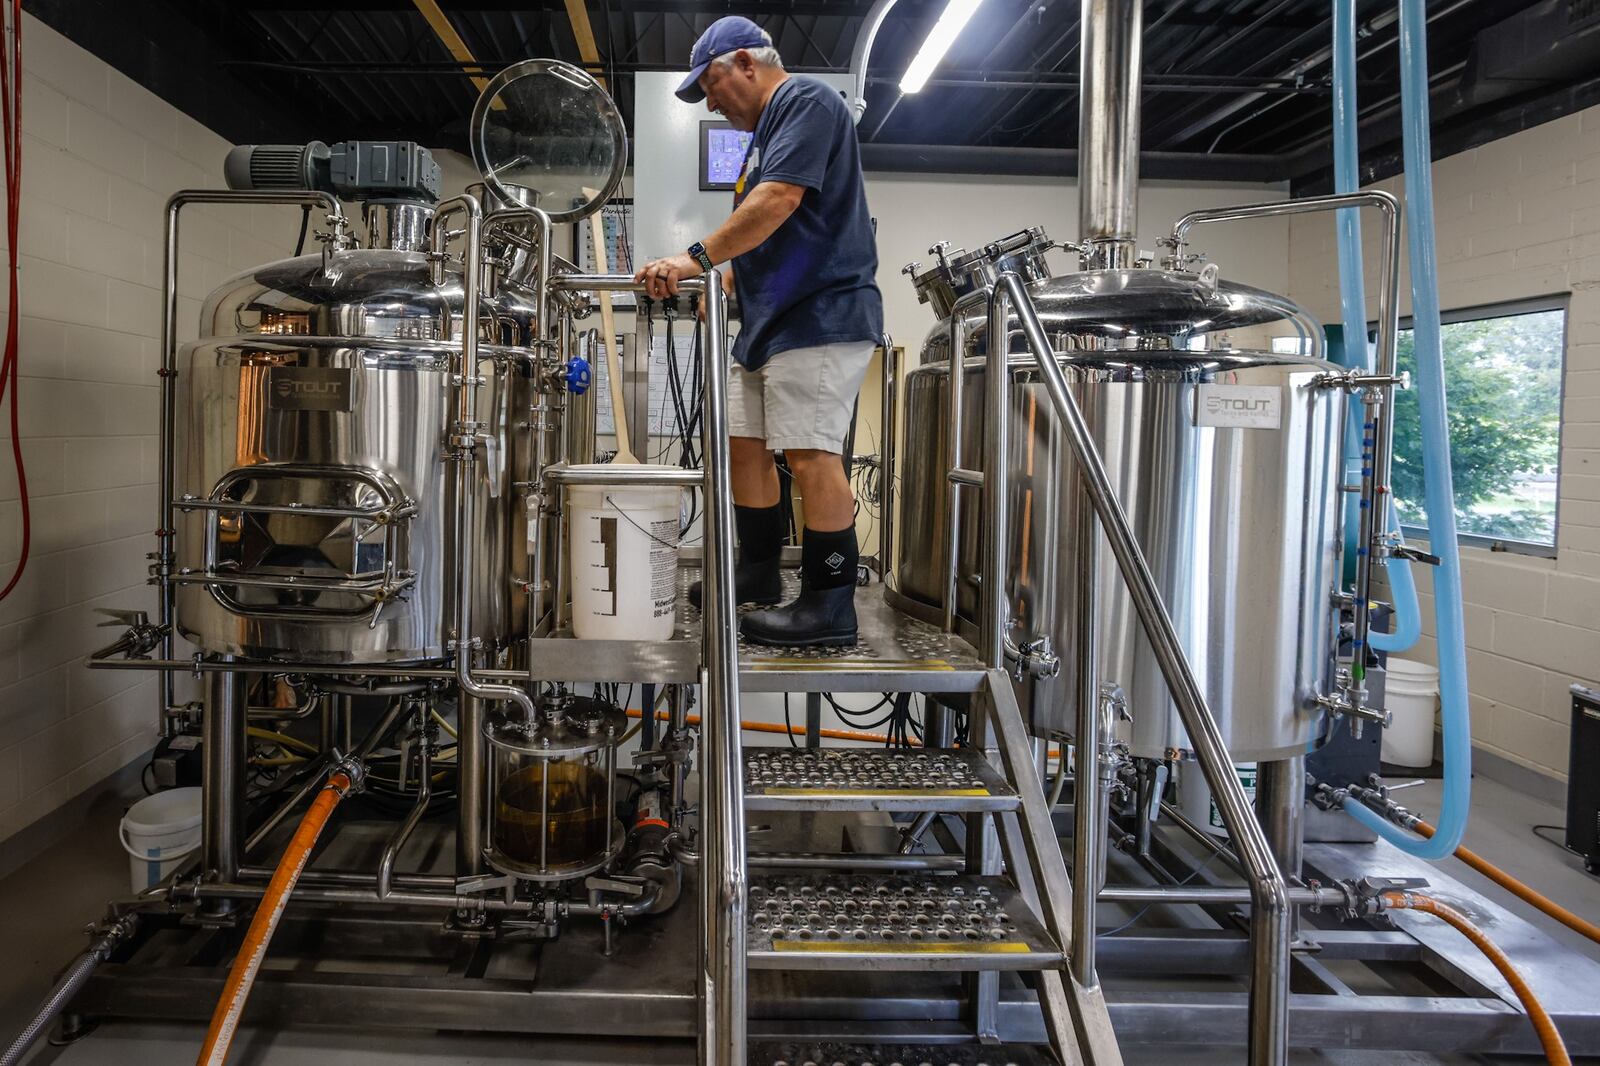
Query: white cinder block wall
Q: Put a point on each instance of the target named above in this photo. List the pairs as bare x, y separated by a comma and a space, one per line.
1517, 218
100, 157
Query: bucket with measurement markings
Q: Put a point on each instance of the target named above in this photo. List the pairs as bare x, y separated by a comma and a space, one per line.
624, 542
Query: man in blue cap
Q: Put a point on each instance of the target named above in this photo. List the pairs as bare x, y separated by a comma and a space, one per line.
804, 263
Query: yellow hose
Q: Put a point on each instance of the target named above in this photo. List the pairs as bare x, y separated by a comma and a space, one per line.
1518, 889
1555, 1051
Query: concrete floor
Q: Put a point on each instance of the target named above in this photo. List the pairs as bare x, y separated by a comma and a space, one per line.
47, 902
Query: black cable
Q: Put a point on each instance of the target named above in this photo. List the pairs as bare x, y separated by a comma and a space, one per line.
305, 221
788, 725
1562, 844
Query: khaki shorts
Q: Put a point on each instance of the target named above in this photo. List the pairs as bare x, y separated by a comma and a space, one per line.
802, 398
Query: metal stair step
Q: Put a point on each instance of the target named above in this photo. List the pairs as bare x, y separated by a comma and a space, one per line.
780, 1053
873, 779
909, 922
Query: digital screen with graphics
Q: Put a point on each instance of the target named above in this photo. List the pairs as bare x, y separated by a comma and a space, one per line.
722, 150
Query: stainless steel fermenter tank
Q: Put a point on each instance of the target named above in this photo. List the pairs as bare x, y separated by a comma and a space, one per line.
314, 501
1221, 450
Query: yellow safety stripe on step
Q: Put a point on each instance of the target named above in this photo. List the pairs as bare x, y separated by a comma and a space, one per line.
883, 947
785, 791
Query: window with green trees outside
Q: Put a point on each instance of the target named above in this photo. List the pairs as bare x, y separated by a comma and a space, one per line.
1502, 371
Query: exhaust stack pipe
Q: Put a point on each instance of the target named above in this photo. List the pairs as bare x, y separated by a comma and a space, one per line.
1108, 132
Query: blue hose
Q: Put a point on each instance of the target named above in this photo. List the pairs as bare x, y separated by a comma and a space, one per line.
1406, 627
1438, 493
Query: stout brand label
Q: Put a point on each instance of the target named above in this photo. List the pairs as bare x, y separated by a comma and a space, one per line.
1239, 406
308, 388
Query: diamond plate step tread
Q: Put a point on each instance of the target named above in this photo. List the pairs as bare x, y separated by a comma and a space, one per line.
910, 922
841, 1054
873, 779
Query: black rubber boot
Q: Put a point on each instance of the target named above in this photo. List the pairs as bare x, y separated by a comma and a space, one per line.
758, 583
818, 618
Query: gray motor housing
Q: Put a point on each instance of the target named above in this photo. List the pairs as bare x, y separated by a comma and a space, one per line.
352, 170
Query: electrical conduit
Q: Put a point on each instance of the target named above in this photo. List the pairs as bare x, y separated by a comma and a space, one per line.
1406, 627
1439, 492
247, 963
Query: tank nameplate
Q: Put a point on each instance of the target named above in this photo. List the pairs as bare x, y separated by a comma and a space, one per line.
309, 388
1239, 406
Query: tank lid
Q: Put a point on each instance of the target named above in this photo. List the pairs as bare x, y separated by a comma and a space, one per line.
1166, 311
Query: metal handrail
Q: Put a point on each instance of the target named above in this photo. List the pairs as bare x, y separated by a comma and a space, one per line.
1270, 913
724, 867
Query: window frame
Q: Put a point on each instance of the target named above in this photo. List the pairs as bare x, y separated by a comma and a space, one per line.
1561, 301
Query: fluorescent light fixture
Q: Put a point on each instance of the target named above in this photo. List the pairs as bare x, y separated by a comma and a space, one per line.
957, 13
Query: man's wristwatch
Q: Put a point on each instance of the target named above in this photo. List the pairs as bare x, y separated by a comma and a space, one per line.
697, 252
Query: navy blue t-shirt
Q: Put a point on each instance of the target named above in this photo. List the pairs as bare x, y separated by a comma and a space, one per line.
814, 281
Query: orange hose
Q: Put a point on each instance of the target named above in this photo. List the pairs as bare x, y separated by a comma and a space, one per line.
1555, 1052
1518, 889
247, 963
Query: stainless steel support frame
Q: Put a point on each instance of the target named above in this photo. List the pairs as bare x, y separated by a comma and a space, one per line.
1376, 391
1270, 909
166, 475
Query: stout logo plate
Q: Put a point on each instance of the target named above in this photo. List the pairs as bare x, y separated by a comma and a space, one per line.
1239, 406
308, 388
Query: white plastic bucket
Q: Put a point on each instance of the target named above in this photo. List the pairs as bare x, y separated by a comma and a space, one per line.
1411, 695
624, 542
158, 832
1194, 795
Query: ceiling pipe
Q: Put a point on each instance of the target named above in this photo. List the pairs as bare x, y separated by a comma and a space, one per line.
863, 52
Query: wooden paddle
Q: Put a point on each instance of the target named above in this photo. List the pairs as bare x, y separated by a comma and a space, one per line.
619, 414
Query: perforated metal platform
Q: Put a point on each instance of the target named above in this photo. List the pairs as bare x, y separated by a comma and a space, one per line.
838, 1054
893, 653
894, 923
845, 779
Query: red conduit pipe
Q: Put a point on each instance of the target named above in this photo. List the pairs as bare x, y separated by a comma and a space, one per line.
11, 117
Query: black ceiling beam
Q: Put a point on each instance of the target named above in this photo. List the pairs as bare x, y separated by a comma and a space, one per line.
1062, 162
175, 58
1311, 170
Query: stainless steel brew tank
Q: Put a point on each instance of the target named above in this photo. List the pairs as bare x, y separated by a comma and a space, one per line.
1239, 524
322, 397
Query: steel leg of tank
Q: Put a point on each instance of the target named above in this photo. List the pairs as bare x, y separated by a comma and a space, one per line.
1088, 798
1280, 805
222, 775
471, 791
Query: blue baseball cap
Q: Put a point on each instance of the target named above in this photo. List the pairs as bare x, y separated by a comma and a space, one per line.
728, 34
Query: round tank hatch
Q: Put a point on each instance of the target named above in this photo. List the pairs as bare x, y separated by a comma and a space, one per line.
545, 134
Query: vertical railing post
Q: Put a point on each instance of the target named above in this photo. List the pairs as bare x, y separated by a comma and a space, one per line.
723, 891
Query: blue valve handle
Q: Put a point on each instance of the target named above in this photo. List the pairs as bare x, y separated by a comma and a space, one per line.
579, 375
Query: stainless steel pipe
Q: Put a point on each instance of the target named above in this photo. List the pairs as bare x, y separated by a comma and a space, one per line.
1270, 913
1378, 397
1108, 132
724, 887
166, 474
996, 482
